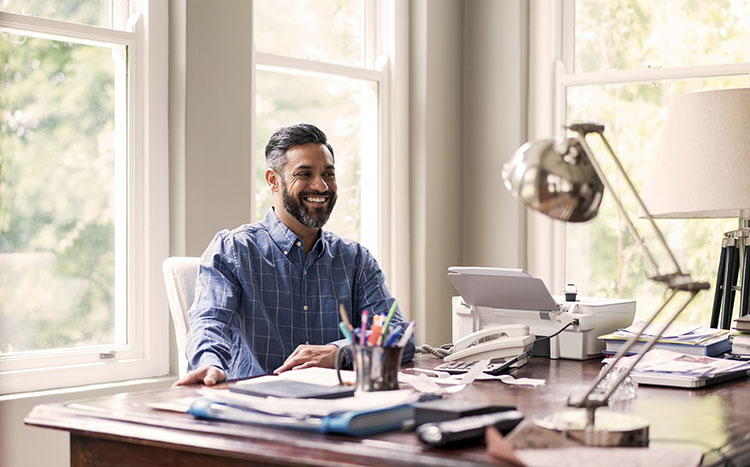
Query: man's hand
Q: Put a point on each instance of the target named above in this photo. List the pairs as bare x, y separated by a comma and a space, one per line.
208, 375
305, 356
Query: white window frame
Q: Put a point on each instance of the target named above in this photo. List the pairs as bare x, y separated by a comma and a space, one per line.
146, 353
386, 64
552, 53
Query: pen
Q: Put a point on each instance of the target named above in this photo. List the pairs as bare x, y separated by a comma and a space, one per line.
345, 318
392, 311
407, 334
364, 328
392, 338
347, 333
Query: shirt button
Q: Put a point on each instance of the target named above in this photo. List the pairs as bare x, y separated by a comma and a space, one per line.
299, 243
308, 342
304, 272
304, 307
286, 252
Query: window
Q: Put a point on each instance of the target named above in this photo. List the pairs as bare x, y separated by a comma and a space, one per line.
330, 63
622, 63
78, 219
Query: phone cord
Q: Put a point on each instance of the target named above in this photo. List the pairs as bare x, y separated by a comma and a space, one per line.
439, 352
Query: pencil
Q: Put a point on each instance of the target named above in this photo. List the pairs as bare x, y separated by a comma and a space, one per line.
345, 318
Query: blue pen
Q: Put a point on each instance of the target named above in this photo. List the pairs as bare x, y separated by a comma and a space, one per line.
392, 338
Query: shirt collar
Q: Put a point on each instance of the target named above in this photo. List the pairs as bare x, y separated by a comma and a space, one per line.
285, 239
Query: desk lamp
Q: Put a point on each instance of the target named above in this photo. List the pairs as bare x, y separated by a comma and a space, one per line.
702, 169
564, 181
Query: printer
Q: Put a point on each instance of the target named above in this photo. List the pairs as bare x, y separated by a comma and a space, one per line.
499, 296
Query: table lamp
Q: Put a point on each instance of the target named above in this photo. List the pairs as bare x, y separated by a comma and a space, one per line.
702, 169
565, 181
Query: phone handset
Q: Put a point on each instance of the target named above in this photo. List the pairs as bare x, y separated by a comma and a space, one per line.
494, 342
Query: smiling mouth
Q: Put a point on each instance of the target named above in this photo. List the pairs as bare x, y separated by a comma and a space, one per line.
315, 200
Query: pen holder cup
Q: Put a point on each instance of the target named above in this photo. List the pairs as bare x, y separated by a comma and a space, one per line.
376, 367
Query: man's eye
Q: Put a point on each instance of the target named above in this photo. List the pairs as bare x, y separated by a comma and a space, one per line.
329, 175
303, 175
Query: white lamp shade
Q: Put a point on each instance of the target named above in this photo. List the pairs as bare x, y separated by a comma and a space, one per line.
702, 167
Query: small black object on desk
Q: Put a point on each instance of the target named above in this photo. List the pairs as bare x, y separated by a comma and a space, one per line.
467, 430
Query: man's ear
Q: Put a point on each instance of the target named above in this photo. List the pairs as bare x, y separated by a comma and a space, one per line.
273, 179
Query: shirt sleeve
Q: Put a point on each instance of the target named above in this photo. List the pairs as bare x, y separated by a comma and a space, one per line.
371, 293
213, 315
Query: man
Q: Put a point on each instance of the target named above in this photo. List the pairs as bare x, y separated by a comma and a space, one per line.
268, 293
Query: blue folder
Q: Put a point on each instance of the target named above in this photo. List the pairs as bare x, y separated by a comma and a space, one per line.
352, 423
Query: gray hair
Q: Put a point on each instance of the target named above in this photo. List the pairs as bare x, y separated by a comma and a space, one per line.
286, 137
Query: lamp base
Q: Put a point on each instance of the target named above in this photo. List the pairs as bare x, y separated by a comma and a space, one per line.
568, 428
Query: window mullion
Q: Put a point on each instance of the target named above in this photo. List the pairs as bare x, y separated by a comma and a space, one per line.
653, 74
52, 29
265, 60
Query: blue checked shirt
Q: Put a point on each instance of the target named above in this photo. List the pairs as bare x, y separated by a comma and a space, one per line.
258, 297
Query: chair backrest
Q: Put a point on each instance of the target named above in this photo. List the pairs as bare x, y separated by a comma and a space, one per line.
180, 275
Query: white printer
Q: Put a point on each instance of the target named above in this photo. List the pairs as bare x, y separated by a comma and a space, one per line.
498, 296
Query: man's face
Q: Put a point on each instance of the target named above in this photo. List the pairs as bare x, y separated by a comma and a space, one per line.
308, 184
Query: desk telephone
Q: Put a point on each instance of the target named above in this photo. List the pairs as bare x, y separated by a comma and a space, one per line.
497, 342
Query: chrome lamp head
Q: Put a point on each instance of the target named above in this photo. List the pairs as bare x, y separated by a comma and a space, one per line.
556, 179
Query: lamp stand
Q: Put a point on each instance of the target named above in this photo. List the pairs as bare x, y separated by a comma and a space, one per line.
735, 248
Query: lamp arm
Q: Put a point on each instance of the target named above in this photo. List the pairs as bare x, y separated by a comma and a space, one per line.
643, 207
675, 281
583, 130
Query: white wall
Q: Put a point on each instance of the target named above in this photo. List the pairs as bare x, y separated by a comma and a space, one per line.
435, 161
26, 446
467, 117
211, 171
495, 93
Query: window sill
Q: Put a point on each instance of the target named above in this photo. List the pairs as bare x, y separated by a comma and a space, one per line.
91, 389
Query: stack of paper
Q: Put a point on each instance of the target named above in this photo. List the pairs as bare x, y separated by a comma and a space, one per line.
678, 369
682, 338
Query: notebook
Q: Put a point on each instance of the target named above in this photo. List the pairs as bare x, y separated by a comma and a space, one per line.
686, 381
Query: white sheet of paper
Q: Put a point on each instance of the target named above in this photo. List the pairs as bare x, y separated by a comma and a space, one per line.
476, 370
508, 379
315, 407
421, 383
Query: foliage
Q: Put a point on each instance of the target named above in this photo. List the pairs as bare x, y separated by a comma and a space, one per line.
56, 188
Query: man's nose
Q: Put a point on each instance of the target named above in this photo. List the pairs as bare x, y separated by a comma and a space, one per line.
318, 184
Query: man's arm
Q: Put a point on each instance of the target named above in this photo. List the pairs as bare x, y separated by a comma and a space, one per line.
211, 335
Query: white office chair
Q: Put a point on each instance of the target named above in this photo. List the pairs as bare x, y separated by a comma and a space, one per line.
180, 274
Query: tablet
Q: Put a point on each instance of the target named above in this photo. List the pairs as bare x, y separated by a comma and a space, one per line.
293, 389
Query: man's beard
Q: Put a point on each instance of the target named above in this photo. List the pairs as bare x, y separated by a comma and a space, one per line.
314, 218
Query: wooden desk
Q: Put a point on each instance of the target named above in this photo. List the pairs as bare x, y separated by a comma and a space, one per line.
134, 434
